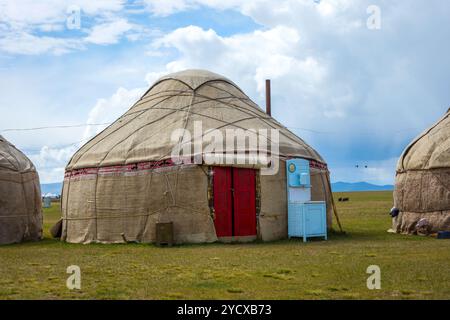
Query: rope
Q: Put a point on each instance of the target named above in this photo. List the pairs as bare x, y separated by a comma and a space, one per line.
120, 216
181, 138
109, 133
256, 113
56, 127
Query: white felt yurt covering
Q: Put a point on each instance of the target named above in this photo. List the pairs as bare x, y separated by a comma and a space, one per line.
122, 182
422, 186
20, 197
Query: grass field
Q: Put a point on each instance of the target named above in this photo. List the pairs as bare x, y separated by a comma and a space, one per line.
412, 267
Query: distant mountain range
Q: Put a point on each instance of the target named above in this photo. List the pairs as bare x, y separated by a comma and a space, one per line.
358, 186
55, 188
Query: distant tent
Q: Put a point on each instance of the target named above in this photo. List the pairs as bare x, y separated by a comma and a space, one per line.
20, 197
122, 183
422, 186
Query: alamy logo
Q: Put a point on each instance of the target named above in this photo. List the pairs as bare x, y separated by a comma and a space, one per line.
259, 148
74, 280
73, 21
374, 20
374, 280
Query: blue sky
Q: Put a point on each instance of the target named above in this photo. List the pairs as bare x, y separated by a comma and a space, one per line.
357, 95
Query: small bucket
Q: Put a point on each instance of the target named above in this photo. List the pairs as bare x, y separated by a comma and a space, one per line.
443, 235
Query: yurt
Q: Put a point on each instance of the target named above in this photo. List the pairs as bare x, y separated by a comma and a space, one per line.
20, 197
422, 185
124, 182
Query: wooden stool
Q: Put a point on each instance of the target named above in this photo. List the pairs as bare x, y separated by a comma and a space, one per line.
164, 233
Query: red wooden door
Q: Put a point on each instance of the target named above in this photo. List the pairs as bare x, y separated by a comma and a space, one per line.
244, 202
223, 201
234, 201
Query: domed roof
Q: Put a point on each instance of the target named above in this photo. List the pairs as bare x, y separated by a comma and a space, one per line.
430, 150
12, 159
177, 101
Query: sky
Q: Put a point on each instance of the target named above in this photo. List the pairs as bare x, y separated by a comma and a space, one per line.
357, 80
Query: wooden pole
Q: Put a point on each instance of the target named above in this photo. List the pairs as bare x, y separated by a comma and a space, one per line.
334, 205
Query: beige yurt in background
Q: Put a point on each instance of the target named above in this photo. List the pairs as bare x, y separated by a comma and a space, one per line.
422, 184
20, 197
123, 182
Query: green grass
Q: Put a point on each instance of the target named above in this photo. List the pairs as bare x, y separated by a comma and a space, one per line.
412, 267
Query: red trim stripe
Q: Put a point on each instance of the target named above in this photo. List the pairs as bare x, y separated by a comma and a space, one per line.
141, 166
318, 165
148, 165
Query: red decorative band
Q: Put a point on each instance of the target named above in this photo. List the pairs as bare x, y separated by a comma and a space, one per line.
140, 166
148, 165
318, 165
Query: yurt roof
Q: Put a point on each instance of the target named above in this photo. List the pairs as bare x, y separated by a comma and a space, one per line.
430, 150
177, 101
12, 159
194, 78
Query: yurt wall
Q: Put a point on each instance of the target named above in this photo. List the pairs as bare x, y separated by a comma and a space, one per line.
123, 205
20, 197
120, 204
422, 185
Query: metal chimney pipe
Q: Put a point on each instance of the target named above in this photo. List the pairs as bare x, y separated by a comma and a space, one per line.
268, 102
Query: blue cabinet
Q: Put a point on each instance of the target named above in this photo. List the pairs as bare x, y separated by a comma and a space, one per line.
295, 220
306, 218
315, 219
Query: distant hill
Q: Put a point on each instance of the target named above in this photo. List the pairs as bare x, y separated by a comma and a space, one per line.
358, 186
54, 188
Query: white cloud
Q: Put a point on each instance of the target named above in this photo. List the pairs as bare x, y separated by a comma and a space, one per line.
98, 7
109, 32
261, 10
23, 20
50, 27
27, 13
167, 7
25, 43
108, 110
254, 56
23, 13
51, 161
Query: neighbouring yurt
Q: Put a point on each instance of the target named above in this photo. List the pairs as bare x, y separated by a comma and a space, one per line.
422, 186
124, 182
20, 197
